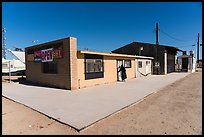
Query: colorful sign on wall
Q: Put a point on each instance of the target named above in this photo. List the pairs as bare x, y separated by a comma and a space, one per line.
57, 53
47, 55
37, 56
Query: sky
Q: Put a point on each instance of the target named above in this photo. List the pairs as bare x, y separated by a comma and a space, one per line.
103, 26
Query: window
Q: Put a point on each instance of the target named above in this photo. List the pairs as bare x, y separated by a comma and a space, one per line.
140, 64
127, 63
4, 66
147, 62
49, 67
93, 66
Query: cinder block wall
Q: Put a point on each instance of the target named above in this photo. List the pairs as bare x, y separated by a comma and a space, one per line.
73, 62
67, 73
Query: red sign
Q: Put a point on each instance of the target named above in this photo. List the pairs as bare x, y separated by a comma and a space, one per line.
46, 55
57, 53
37, 56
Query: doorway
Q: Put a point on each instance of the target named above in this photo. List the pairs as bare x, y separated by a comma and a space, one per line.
119, 62
184, 64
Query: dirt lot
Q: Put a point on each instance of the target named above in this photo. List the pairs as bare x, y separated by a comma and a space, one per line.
176, 109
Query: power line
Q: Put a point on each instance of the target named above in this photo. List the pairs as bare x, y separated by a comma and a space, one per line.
187, 46
174, 37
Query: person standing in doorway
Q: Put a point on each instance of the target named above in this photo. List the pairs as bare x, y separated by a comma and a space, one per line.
123, 72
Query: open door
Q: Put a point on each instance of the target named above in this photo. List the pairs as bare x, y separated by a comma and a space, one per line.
185, 64
119, 63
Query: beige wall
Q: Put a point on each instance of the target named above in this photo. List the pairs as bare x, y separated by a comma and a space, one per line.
110, 71
73, 63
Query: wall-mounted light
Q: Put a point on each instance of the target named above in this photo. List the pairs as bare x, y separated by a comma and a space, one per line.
141, 48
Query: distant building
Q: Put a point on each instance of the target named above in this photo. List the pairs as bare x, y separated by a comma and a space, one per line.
199, 64
20, 55
165, 63
16, 67
186, 63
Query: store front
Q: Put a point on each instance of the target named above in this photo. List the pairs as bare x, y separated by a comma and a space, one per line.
59, 64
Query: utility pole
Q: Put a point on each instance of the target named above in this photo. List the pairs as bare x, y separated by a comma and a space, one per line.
3, 43
9, 71
157, 34
157, 44
198, 49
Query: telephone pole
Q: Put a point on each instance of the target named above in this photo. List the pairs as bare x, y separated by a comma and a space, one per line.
157, 44
157, 34
198, 49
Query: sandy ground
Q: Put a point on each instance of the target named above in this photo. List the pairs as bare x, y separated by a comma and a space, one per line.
176, 109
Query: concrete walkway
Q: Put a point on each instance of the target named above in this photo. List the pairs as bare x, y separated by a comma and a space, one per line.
83, 107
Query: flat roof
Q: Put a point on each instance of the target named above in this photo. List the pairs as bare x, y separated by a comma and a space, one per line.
113, 54
144, 57
46, 43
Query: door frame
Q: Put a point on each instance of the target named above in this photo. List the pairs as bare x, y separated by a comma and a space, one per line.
117, 68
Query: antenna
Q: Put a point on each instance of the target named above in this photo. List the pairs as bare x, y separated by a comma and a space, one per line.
3, 43
35, 41
17, 49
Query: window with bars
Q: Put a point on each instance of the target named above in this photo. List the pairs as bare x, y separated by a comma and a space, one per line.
127, 63
147, 62
49, 67
93, 66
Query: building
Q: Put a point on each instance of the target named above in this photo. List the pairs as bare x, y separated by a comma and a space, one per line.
187, 63
59, 64
144, 67
164, 56
20, 55
14, 66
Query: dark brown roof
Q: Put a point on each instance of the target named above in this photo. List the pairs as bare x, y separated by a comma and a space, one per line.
141, 43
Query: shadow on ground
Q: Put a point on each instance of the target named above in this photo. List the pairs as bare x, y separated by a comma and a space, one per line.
23, 81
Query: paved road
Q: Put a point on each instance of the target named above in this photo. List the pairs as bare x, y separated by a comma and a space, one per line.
83, 107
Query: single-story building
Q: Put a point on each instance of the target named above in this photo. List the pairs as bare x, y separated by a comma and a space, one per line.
144, 67
164, 56
59, 64
186, 63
